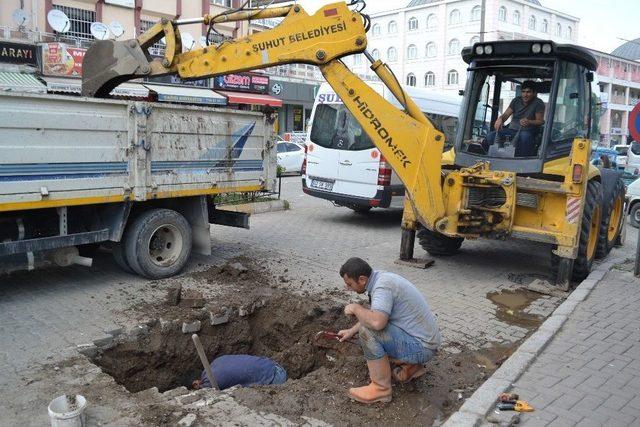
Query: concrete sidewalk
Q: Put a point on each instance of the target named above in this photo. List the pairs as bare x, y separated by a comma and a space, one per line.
589, 374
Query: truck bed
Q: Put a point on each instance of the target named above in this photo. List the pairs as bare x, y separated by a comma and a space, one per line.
69, 151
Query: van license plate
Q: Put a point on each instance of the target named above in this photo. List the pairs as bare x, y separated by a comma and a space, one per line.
322, 185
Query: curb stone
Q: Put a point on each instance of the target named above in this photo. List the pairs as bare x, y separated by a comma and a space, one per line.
258, 207
475, 409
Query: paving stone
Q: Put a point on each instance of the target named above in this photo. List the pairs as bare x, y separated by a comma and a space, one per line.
191, 298
191, 327
173, 294
221, 317
188, 420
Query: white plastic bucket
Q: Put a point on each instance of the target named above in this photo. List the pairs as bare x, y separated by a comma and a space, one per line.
67, 411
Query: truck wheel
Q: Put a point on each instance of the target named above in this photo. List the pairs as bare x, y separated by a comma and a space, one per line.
438, 244
588, 237
612, 220
634, 215
117, 250
158, 243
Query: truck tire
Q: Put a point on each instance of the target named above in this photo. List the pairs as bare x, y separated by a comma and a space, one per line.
588, 235
612, 220
634, 215
438, 244
117, 250
158, 243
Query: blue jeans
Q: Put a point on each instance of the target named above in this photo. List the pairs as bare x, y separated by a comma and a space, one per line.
395, 343
525, 145
280, 376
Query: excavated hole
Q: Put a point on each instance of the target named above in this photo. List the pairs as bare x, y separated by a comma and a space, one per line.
284, 330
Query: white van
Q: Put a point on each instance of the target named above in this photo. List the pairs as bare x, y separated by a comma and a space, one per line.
341, 162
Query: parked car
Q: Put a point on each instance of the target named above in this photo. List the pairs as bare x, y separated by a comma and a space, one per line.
290, 157
622, 150
633, 194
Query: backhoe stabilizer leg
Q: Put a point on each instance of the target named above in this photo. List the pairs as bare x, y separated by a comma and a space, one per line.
565, 269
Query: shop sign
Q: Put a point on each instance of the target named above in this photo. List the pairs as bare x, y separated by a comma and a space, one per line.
17, 53
243, 82
58, 59
616, 131
175, 80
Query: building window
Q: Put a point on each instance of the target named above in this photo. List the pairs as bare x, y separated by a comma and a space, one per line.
545, 26
412, 51
429, 79
502, 14
411, 79
80, 21
532, 23
357, 59
225, 3
392, 54
413, 24
559, 30
454, 47
569, 33
454, 17
474, 40
375, 30
431, 50
452, 77
476, 12
432, 22
516, 17
375, 53
393, 27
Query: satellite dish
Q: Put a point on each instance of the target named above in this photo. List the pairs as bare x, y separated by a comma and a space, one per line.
58, 20
99, 30
203, 41
187, 41
116, 29
20, 17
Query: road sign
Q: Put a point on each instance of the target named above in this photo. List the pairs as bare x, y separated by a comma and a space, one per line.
634, 122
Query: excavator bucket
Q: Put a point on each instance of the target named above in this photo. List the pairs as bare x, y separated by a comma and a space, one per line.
108, 63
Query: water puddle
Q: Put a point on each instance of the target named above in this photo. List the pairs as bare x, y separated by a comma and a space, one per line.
511, 305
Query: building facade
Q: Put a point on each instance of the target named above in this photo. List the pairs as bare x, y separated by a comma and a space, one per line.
34, 48
619, 80
422, 42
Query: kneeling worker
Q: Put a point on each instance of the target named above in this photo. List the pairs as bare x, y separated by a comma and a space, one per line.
399, 327
244, 370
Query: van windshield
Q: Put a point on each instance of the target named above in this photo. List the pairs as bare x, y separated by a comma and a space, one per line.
335, 127
622, 151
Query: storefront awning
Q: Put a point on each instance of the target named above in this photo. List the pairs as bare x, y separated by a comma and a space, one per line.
250, 98
130, 90
18, 82
187, 95
62, 85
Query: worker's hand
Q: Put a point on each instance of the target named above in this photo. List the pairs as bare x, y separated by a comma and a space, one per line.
346, 334
524, 122
350, 309
498, 124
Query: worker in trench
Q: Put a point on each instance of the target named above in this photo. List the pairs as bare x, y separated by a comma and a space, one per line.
244, 370
398, 329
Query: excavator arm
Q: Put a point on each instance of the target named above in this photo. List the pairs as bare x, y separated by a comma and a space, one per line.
407, 139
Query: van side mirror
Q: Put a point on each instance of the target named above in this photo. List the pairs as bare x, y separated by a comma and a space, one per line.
590, 76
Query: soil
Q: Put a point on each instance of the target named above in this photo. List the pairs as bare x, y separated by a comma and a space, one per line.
284, 328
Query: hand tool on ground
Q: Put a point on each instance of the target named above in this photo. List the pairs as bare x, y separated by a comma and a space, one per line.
331, 336
205, 361
518, 406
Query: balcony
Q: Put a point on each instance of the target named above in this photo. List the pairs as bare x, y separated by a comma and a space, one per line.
28, 36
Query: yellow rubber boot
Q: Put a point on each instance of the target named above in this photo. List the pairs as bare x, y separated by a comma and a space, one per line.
379, 390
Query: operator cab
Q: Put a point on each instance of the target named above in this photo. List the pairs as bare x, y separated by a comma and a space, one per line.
547, 84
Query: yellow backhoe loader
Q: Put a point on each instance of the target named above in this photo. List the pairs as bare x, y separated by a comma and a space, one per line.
543, 189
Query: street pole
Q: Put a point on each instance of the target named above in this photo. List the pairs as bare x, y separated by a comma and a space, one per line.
482, 13
636, 270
